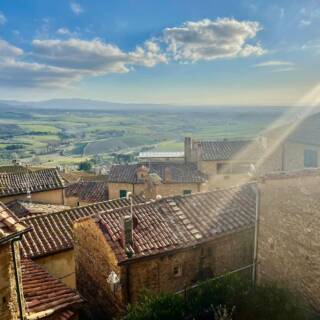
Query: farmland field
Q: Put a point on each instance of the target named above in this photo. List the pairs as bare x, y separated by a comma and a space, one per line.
67, 137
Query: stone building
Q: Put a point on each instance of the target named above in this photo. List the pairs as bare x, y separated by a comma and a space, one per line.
50, 242
226, 162
293, 146
43, 185
85, 192
26, 290
151, 156
289, 232
155, 178
163, 246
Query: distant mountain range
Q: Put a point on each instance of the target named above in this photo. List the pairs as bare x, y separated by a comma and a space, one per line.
86, 104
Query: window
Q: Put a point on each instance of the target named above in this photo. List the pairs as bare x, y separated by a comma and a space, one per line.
123, 193
310, 159
186, 192
223, 168
177, 270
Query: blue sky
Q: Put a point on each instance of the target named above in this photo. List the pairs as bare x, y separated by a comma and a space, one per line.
183, 52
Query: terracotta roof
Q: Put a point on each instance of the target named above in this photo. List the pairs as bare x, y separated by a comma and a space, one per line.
35, 181
230, 149
53, 232
10, 225
89, 191
14, 168
24, 208
179, 172
44, 294
180, 221
76, 176
301, 173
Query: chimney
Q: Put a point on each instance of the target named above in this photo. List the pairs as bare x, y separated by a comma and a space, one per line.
127, 232
187, 149
142, 172
167, 174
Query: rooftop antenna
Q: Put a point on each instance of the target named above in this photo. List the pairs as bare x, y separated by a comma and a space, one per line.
28, 188
129, 197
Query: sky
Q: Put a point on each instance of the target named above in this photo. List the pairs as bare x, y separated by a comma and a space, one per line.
184, 52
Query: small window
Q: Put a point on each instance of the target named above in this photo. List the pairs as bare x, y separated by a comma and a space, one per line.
223, 168
310, 159
177, 270
186, 192
123, 193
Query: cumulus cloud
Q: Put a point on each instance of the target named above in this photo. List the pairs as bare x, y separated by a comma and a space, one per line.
3, 19
8, 50
274, 63
76, 8
212, 39
56, 62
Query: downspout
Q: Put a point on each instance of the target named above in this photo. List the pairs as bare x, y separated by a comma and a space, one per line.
256, 227
13, 251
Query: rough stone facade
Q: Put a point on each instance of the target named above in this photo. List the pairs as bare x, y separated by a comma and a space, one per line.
289, 234
94, 262
163, 189
53, 197
9, 309
169, 272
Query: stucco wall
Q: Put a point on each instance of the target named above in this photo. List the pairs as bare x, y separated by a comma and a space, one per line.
289, 235
52, 197
61, 265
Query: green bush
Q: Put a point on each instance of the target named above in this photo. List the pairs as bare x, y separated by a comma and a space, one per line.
225, 298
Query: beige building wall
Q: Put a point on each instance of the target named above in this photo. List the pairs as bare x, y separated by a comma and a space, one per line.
289, 235
9, 308
61, 265
164, 189
51, 196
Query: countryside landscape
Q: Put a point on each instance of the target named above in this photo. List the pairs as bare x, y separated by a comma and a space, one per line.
84, 130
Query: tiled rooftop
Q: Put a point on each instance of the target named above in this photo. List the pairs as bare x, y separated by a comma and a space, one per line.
88, 191
53, 232
230, 149
77, 176
9, 223
25, 208
179, 173
35, 181
45, 295
181, 221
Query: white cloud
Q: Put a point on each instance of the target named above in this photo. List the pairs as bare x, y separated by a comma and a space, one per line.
305, 23
8, 50
274, 63
212, 39
3, 19
76, 8
56, 62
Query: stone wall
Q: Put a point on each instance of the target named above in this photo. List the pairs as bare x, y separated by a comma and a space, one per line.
51, 196
9, 308
289, 235
94, 262
199, 263
61, 265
